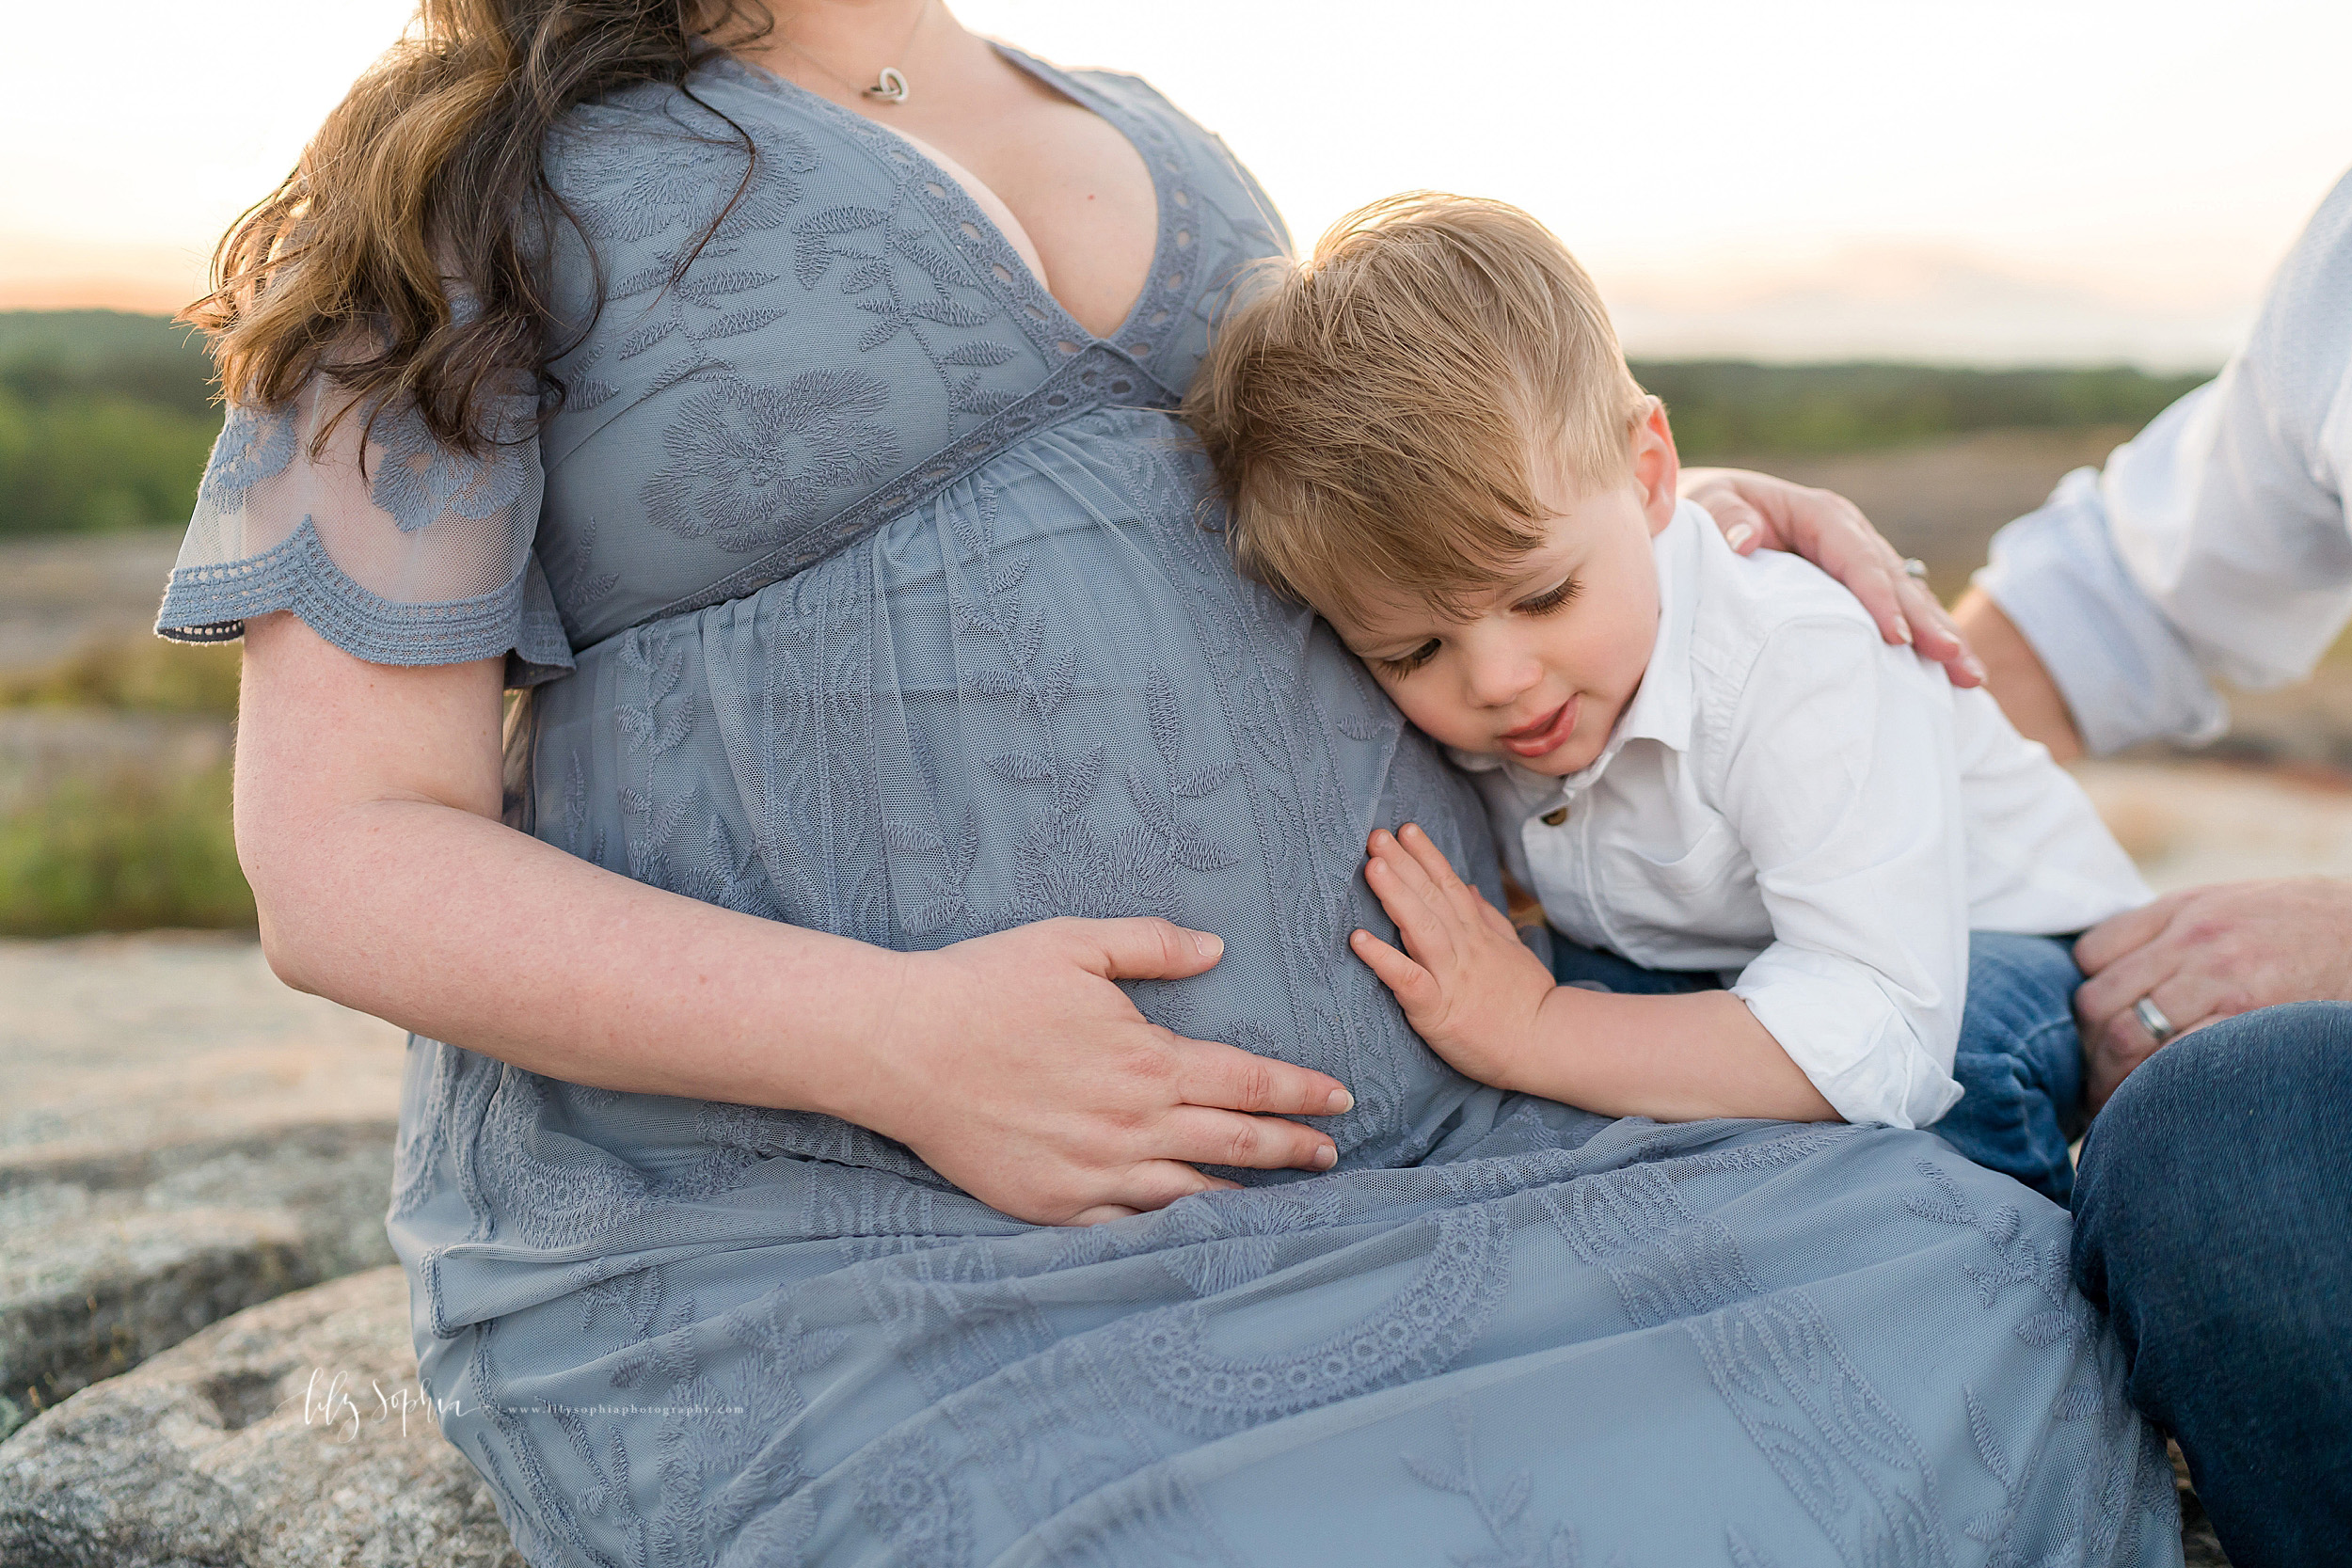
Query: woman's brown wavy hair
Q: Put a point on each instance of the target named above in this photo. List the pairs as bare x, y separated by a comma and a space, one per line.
430, 172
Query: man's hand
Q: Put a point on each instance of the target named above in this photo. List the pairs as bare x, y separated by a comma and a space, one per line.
2206, 953
1469, 986
1759, 511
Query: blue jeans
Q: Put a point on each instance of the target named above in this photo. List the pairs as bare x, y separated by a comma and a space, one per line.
2214, 1222
2020, 1060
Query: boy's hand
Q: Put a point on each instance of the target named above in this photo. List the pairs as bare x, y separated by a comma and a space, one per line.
1470, 986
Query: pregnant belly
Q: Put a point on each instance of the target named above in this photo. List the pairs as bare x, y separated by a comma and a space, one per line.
1046, 693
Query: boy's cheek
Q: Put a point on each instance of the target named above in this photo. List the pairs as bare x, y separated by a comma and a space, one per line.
1441, 720
1420, 696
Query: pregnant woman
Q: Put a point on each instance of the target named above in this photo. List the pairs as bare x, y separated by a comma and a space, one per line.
802, 446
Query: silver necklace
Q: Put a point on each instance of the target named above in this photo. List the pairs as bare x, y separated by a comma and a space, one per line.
890, 86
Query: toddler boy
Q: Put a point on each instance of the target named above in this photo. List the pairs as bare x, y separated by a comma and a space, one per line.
1766, 836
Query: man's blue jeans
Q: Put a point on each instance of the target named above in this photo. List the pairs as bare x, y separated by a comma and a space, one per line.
2212, 1220
2020, 1060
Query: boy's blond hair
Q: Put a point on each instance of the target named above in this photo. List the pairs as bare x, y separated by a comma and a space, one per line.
1375, 412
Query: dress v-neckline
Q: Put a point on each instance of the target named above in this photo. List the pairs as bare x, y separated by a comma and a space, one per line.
1061, 83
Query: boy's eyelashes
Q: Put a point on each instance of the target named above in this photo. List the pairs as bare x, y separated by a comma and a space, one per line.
1551, 599
1410, 662
1542, 604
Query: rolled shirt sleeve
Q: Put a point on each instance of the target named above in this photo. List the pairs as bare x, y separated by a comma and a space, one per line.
1862, 870
2126, 671
2215, 544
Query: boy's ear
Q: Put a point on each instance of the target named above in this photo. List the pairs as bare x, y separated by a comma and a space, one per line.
1657, 467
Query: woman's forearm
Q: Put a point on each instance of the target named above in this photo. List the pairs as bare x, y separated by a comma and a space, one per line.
1671, 1058
464, 930
367, 804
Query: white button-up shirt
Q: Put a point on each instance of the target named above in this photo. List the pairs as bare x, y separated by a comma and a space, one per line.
1790, 798
2216, 543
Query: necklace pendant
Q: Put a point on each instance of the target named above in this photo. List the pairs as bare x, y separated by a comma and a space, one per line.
889, 88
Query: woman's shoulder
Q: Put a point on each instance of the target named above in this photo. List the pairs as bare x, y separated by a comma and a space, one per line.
1137, 98
675, 129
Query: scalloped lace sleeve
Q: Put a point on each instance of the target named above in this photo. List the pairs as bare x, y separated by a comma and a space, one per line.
418, 555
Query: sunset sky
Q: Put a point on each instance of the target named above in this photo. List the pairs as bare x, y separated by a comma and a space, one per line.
1995, 181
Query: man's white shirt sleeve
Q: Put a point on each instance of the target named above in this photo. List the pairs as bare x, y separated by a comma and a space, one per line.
2215, 544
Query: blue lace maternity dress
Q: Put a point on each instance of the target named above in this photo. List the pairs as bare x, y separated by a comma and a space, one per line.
860, 588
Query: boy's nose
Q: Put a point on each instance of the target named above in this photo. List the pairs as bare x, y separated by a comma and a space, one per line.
1500, 679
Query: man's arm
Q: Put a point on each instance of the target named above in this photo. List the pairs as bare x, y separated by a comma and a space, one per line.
2015, 676
2217, 540
2215, 543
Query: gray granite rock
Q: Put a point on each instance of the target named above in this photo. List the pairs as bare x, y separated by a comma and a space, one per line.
288, 1436
105, 1264
181, 1137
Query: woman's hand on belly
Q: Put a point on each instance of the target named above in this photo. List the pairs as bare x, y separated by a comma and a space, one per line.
1016, 1069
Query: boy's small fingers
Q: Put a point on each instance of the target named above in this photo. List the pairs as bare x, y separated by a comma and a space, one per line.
1385, 849
1414, 910
1462, 898
1378, 954
1432, 938
1396, 890
1409, 912
1424, 850
1401, 974
1406, 865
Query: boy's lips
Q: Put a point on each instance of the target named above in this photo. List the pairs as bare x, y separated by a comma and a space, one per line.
1548, 733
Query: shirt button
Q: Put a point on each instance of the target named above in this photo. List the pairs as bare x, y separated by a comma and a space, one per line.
1556, 817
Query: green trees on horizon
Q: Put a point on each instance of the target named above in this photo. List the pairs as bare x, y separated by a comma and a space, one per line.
1735, 408
106, 418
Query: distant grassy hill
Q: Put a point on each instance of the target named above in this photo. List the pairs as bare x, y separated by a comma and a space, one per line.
105, 418
1726, 408
45, 355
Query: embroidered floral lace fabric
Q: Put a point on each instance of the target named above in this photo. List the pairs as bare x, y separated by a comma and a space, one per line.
870, 593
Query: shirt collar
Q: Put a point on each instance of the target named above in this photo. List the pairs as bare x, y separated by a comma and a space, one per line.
1661, 707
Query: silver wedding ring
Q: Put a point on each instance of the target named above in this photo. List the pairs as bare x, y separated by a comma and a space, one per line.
2153, 1020
1916, 569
